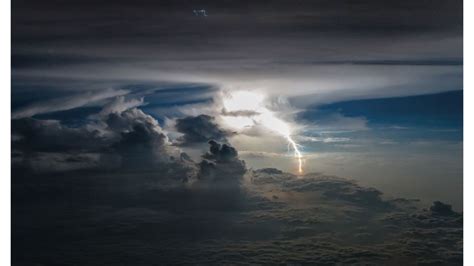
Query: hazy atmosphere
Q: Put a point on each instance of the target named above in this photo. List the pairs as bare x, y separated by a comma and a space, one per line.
237, 132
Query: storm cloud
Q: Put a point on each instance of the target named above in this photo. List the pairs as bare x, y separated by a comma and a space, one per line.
276, 218
199, 129
118, 131
157, 204
221, 165
327, 50
119, 156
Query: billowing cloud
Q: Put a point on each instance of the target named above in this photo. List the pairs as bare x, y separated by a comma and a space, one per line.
121, 135
142, 146
221, 165
119, 129
200, 129
51, 136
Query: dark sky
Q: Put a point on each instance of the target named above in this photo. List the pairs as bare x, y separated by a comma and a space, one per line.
172, 23
338, 49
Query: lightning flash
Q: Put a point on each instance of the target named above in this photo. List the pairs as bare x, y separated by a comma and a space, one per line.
244, 109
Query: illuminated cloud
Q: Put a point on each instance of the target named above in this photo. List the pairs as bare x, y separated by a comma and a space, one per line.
245, 103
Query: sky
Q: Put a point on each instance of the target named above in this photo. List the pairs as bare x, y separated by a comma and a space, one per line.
147, 105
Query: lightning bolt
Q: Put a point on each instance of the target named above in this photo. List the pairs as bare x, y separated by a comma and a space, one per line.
246, 101
298, 154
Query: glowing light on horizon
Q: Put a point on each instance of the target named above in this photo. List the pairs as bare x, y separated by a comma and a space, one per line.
253, 102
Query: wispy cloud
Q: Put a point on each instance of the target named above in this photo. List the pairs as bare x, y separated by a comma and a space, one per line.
66, 103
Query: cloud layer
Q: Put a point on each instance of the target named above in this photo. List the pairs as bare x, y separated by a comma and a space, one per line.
276, 217
115, 189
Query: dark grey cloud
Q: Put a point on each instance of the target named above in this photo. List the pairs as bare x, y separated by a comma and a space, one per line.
441, 208
123, 136
333, 188
128, 119
226, 18
221, 165
280, 222
140, 146
35, 135
118, 134
143, 146
162, 41
200, 129
411, 62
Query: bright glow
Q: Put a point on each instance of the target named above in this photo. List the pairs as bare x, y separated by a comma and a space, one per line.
257, 113
243, 101
238, 122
